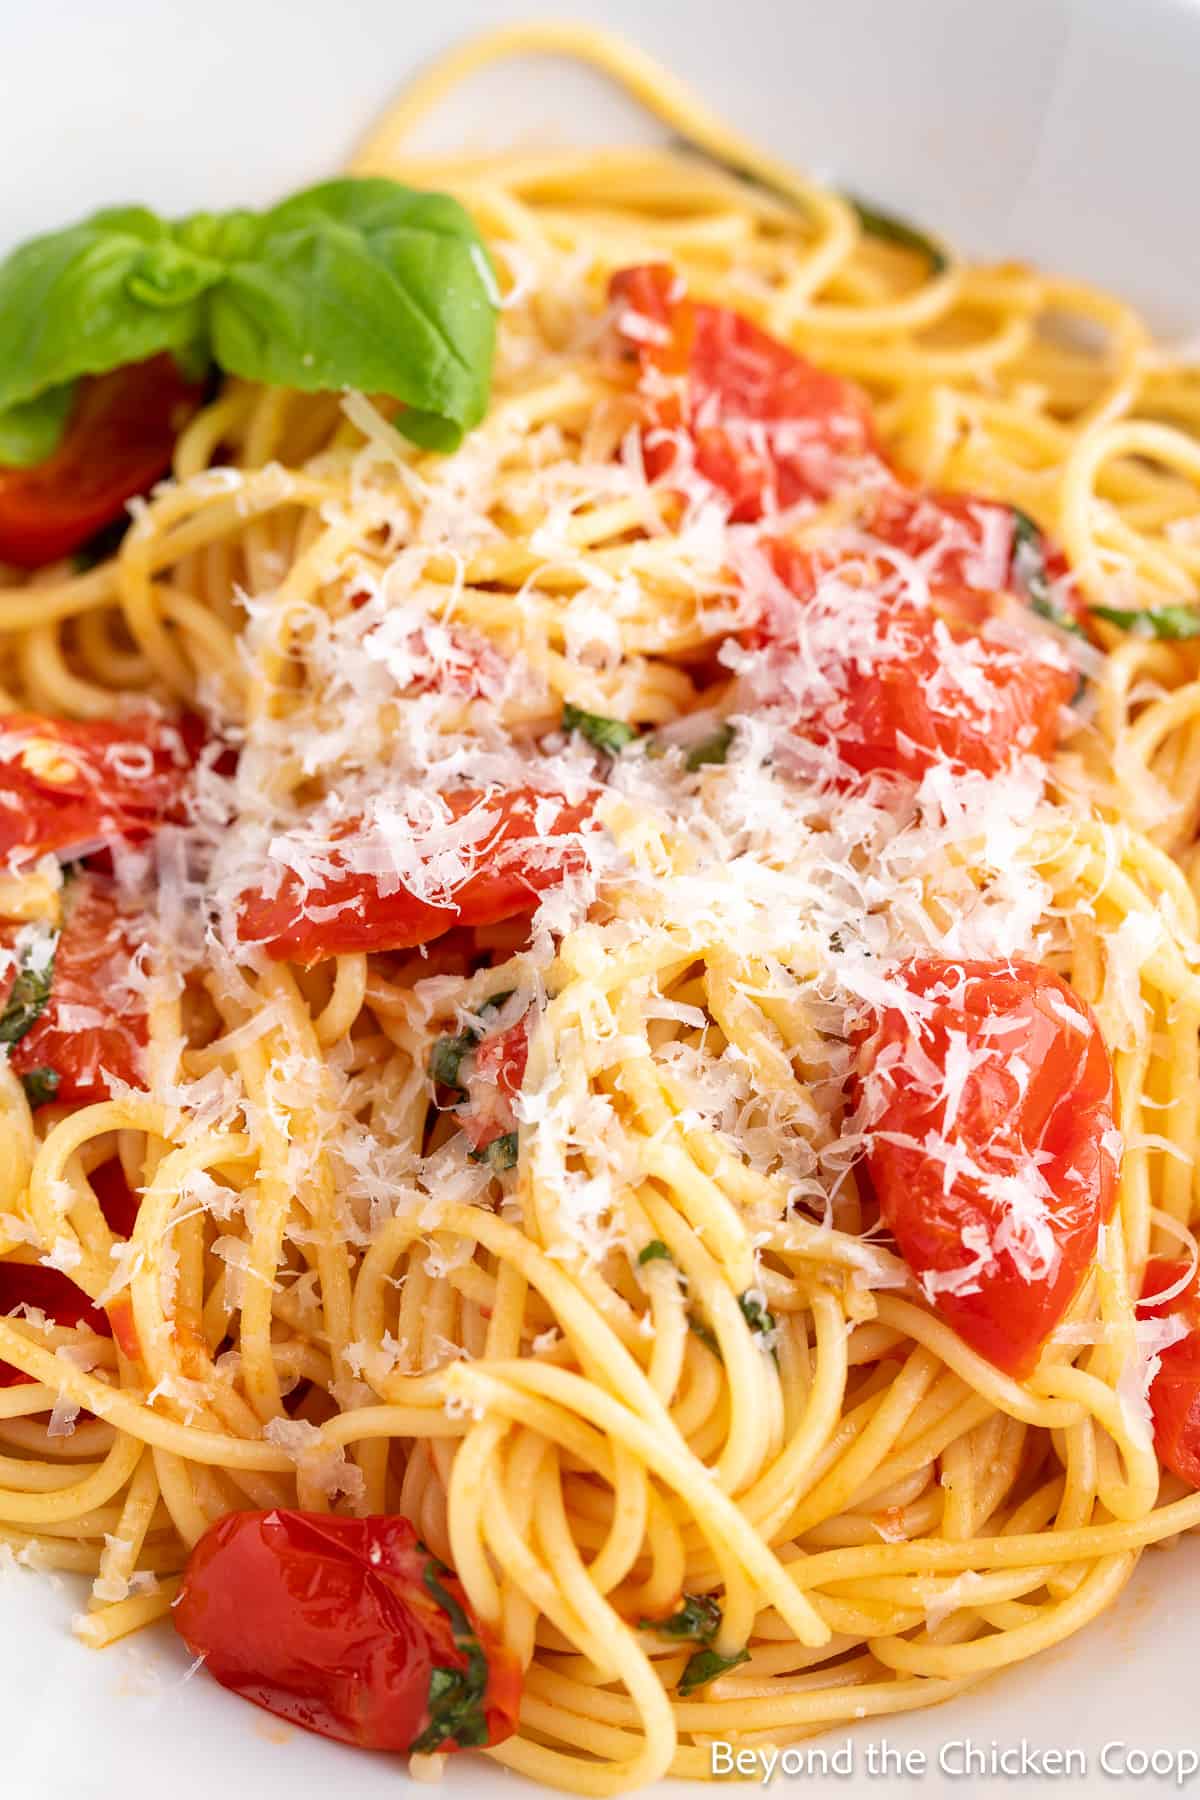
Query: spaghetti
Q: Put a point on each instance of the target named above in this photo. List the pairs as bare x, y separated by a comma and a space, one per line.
553, 1233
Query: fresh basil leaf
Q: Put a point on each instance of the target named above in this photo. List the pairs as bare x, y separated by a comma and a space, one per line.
705, 1666
33, 429
755, 1313
500, 1154
699, 1619
654, 1251
1173, 623
889, 229
610, 735
40, 1085
455, 1697
30, 991
112, 290
1029, 570
365, 284
714, 749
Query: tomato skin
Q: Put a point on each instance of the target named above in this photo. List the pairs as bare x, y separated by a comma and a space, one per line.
930, 689
64, 783
328, 1622
518, 861
1175, 1390
118, 443
1044, 1092
766, 426
89, 1027
33, 1284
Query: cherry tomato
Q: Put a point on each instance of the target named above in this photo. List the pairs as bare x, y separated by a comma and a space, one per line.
67, 783
763, 424
987, 1100
494, 1079
52, 1292
1175, 1389
347, 1627
533, 845
118, 443
94, 1023
912, 687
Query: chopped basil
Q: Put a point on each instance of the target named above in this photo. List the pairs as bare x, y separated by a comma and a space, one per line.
698, 1619
654, 1251
610, 735
30, 991
714, 749
455, 1697
705, 1666
889, 229
40, 1085
500, 1154
706, 1334
359, 283
1168, 622
446, 1057
1029, 569
755, 1313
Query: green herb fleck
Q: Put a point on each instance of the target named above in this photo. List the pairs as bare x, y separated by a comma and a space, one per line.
886, 226
1029, 569
706, 1334
40, 1085
455, 1697
697, 1619
500, 1154
655, 1251
33, 429
714, 749
609, 735
446, 1058
755, 1313
705, 1666
30, 991
1169, 622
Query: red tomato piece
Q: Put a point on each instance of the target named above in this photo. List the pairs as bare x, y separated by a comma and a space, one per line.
118, 1201
65, 784
763, 424
1175, 1389
494, 1079
987, 1100
52, 1292
899, 688
94, 1023
118, 443
529, 842
347, 1627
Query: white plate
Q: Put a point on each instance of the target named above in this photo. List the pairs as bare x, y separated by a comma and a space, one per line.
1066, 131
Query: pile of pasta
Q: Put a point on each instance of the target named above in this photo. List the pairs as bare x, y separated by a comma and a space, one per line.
885, 1516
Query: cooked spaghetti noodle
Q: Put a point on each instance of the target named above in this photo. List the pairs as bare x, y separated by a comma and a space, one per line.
659, 1345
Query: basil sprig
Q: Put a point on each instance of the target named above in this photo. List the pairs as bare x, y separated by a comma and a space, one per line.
1172, 623
354, 283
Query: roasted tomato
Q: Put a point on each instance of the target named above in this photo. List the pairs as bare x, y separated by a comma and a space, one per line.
349, 1628
896, 687
987, 1100
759, 422
51, 1292
520, 843
66, 784
118, 443
92, 1022
1175, 1389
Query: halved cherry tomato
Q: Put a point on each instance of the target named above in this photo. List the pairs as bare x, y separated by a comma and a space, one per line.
347, 1627
119, 442
1175, 1389
530, 843
763, 424
67, 783
913, 687
52, 1292
494, 1078
94, 1023
988, 1106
